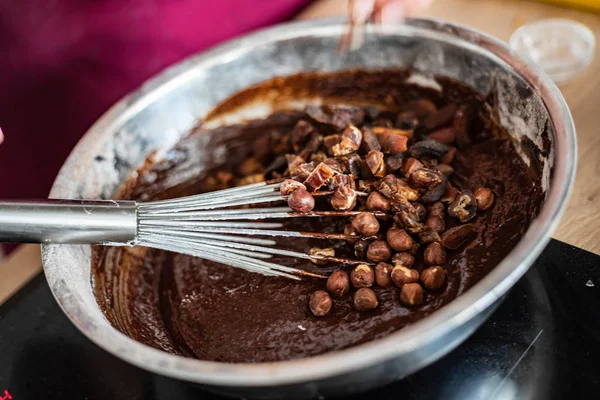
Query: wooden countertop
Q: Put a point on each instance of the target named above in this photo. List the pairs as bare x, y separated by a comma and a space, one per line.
580, 225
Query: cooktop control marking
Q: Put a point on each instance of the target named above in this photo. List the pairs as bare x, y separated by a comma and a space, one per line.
6, 396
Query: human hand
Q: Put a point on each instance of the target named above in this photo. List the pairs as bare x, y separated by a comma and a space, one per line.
1, 136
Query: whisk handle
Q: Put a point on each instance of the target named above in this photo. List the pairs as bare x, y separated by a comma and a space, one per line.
68, 221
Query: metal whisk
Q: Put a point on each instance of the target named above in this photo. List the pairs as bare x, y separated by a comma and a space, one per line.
205, 225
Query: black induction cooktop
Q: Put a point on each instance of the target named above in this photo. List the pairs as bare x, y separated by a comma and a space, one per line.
543, 342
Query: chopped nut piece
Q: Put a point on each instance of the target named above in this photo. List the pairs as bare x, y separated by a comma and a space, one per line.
377, 202
351, 140
434, 254
394, 189
444, 135
303, 171
402, 275
331, 141
362, 276
353, 164
435, 192
366, 224
254, 178
464, 206
319, 157
301, 201
433, 277
484, 198
428, 148
336, 164
382, 274
412, 294
300, 134
379, 250
294, 162
426, 178
384, 131
289, 185
393, 163
338, 116
410, 166
340, 180
370, 141
436, 223
375, 162
398, 239
421, 210
315, 251
404, 259
338, 283
366, 186
427, 234
250, 166
455, 237
318, 177
449, 195
320, 303
365, 299
441, 118
315, 140
344, 198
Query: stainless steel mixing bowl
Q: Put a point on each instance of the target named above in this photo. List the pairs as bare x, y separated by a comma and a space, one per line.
154, 117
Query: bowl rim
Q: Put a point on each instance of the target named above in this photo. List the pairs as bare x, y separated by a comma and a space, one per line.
477, 299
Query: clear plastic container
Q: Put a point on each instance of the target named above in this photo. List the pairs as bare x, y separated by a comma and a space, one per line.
561, 47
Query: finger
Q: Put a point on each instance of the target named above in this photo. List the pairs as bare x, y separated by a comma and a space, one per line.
392, 11
361, 10
1, 136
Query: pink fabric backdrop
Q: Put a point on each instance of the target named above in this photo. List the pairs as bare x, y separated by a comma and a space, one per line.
64, 62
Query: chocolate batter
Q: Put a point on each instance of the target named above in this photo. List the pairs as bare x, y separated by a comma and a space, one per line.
197, 308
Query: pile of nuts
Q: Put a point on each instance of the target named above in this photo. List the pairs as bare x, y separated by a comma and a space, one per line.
393, 171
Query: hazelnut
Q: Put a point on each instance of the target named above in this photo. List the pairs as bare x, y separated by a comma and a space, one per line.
398, 239
377, 202
344, 198
434, 254
437, 209
301, 201
433, 277
349, 230
484, 198
405, 259
401, 275
338, 283
414, 249
366, 224
379, 250
320, 303
315, 251
362, 276
425, 178
411, 294
436, 223
289, 185
463, 207
361, 245
421, 210
365, 299
382, 274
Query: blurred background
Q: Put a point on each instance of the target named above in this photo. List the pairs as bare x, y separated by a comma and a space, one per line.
65, 62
